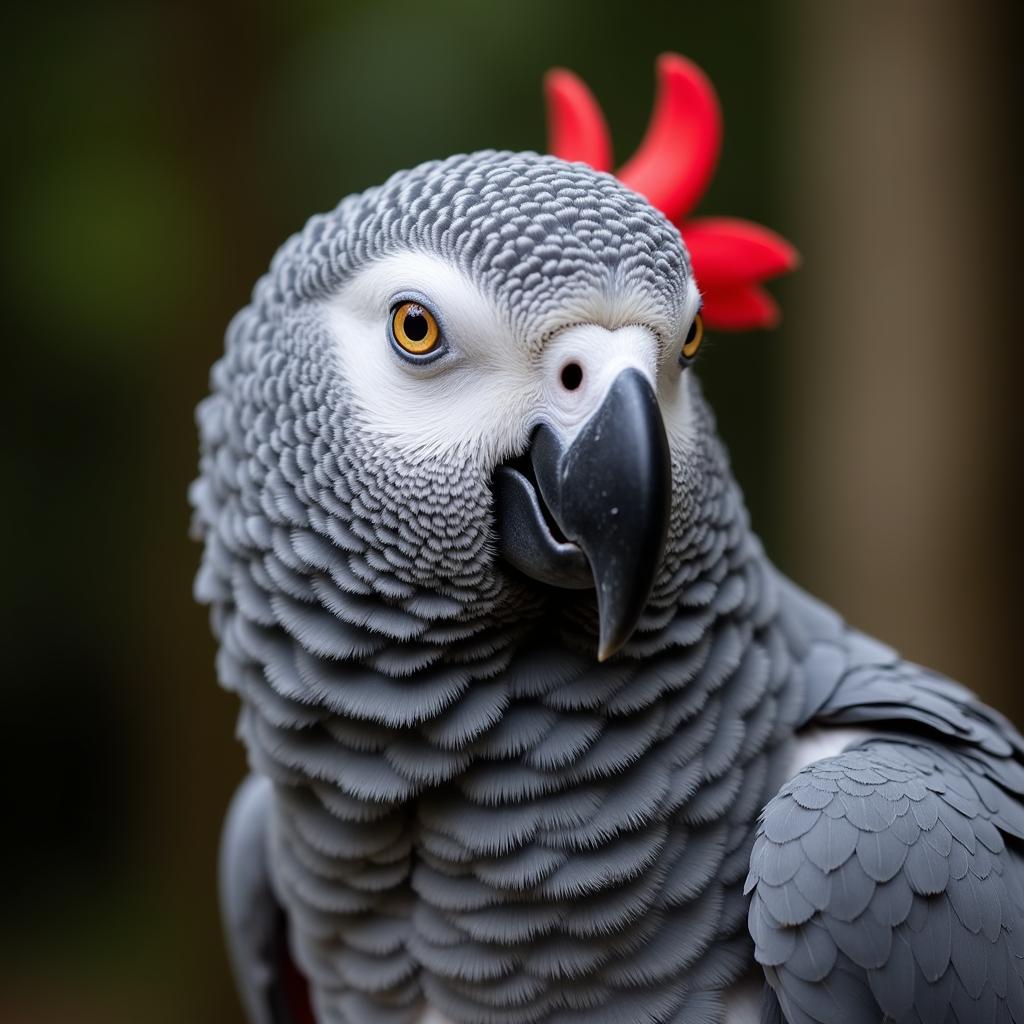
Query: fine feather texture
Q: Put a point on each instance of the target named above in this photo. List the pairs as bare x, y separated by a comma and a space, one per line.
466, 809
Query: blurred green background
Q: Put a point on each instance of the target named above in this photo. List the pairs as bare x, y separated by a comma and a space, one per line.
157, 153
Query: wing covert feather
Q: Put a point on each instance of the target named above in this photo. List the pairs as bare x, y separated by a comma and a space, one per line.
882, 883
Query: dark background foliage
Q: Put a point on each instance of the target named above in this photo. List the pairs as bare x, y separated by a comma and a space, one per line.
157, 153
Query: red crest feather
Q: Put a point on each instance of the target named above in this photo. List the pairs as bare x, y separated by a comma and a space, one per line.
672, 169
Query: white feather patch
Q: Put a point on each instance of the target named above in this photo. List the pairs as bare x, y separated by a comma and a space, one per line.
484, 395
818, 742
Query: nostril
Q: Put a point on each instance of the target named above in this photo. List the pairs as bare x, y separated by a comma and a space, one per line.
572, 376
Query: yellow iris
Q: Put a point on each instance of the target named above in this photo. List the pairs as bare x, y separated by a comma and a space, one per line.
694, 338
414, 328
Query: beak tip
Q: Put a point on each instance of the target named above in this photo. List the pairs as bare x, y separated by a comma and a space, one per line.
608, 647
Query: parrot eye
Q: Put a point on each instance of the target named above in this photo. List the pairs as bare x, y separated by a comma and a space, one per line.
414, 329
693, 339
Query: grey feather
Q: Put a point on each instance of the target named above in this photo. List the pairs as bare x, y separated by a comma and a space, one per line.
463, 806
252, 917
891, 907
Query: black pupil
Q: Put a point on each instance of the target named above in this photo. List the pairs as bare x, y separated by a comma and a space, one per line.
415, 324
572, 376
692, 333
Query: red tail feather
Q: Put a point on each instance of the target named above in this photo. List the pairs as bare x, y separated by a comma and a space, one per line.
299, 1009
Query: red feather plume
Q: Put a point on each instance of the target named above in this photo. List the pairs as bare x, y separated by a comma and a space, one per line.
576, 126
672, 169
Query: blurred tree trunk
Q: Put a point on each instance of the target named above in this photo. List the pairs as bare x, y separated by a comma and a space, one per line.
900, 334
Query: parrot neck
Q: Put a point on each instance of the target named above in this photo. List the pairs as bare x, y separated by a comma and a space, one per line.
520, 803
462, 768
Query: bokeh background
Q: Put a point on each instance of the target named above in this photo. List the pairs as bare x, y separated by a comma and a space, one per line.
155, 155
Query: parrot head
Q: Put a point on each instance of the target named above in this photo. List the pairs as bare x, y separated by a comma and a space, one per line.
465, 398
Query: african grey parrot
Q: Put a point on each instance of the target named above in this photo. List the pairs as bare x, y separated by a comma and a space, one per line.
537, 732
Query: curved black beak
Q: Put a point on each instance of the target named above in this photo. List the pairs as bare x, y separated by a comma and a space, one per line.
596, 512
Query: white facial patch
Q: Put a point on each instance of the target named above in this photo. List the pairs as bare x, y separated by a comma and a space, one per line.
489, 388
476, 397
580, 363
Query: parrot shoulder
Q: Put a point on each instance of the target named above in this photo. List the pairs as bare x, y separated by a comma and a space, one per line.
886, 878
